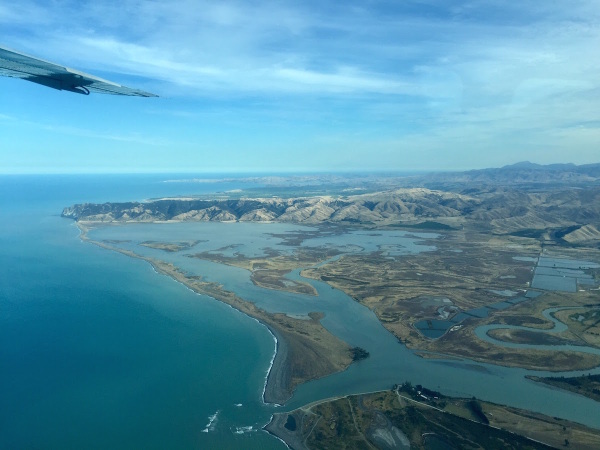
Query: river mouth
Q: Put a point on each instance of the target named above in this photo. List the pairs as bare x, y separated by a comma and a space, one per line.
390, 362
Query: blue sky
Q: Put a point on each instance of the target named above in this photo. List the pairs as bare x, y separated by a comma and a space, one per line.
276, 86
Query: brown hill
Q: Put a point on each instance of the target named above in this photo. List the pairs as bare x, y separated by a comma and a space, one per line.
500, 210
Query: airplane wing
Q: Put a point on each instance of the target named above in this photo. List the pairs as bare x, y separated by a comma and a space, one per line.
17, 65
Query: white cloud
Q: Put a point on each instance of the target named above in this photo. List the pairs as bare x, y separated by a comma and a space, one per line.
109, 136
285, 48
131, 137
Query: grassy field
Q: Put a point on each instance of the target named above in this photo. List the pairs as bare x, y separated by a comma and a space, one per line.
588, 385
423, 419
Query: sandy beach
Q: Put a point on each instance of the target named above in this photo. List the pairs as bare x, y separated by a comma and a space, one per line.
278, 379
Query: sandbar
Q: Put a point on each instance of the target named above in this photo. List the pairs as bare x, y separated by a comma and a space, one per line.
305, 350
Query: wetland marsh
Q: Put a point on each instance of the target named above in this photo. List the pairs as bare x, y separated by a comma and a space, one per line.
252, 245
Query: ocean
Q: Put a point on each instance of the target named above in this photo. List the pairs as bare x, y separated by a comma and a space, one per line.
99, 351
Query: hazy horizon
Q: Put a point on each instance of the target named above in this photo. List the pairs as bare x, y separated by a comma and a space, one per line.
283, 172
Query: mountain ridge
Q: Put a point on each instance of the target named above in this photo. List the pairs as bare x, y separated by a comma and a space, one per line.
554, 209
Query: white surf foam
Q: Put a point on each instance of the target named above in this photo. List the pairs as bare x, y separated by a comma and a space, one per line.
212, 422
243, 430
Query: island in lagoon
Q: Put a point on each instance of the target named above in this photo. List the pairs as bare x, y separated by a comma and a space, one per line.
489, 271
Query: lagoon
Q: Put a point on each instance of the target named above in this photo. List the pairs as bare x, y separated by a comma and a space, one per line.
389, 362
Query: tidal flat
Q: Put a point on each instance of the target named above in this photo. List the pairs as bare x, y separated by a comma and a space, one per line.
406, 270
434, 300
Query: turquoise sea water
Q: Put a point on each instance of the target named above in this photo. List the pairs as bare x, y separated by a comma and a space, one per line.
98, 351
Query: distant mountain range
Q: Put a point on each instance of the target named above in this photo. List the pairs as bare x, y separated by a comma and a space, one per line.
522, 173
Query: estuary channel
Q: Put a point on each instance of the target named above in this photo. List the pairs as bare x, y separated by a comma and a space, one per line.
390, 362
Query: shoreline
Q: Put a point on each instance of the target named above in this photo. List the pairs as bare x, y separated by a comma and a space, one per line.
277, 365
280, 379
277, 362
271, 363
274, 391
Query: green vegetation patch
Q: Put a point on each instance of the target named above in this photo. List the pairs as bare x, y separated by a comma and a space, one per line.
416, 417
533, 233
359, 353
587, 385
